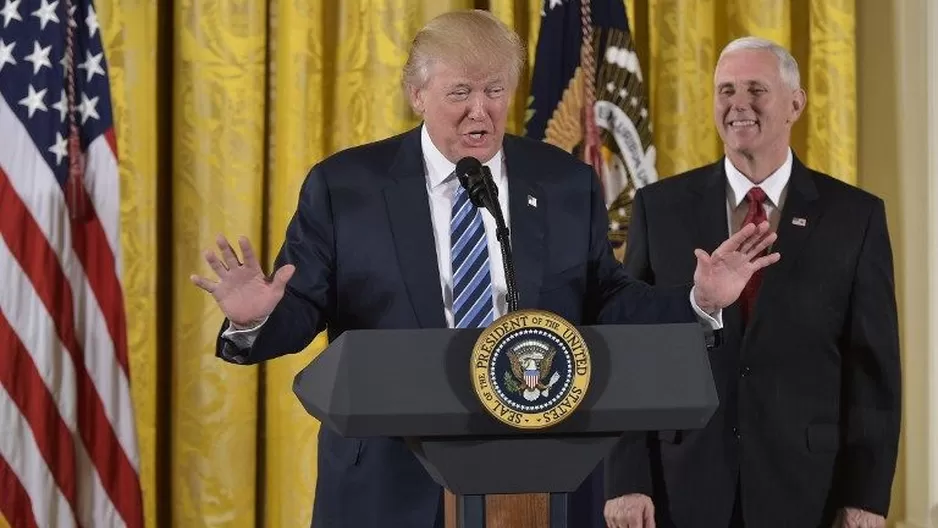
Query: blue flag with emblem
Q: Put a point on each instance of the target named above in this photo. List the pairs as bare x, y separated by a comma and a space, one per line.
588, 97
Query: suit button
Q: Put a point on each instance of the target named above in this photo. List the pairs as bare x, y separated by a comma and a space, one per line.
736, 433
745, 371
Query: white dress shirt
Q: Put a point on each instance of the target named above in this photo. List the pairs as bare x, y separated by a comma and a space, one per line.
737, 185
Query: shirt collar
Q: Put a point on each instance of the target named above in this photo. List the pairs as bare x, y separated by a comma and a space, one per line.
440, 169
773, 185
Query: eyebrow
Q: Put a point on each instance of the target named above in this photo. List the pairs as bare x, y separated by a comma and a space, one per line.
751, 82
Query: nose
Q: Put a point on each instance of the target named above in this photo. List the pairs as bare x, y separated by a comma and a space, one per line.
740, 101
477, 107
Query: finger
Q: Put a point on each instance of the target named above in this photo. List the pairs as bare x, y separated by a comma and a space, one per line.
761, 245
702, 255
231, 260
649, 516
750, 243
732, 243
203, 283
634, 519
217, 265
250, 259
282, 276
766, 260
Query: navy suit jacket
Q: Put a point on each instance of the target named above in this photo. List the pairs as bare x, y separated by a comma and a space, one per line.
362, 243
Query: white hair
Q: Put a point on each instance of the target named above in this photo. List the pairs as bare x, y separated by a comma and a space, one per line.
787, 65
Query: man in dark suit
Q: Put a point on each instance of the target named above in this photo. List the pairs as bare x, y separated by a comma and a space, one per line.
384, 237
808, 375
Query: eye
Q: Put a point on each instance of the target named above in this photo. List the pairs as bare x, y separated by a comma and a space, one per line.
495, 91
726, 90
459, 94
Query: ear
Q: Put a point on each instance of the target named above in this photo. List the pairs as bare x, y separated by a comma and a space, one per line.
416, 97
798, 101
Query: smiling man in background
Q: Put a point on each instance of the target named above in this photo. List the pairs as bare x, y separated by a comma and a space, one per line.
808, 375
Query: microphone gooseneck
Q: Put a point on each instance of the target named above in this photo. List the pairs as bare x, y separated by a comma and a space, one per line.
477, 180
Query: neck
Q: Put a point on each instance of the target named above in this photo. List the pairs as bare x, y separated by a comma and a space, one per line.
757, 167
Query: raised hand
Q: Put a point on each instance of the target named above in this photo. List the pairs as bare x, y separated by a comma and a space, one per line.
721, 276
245, 295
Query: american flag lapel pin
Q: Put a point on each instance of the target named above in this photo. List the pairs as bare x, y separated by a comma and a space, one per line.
532, 201
798, 221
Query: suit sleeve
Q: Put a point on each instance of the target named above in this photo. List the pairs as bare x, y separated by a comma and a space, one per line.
619, 297
309, 297
872, 375
628, 466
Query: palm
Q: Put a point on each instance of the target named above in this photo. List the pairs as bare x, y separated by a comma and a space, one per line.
245, 295
721, 276
243, 292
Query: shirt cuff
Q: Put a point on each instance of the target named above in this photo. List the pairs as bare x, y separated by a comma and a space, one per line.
242, 338
715, 322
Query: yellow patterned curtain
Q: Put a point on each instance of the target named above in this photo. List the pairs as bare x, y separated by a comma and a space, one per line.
221, 106
678, 43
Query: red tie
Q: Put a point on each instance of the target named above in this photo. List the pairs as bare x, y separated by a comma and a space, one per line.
755, 215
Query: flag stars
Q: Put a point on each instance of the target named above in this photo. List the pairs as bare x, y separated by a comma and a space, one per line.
11, 11
6, 54
62, 107
623, 93
92, 64
92, 21
550, 5
46, 12
610, 87
87, 108
33, 100
39, 57
59, 148
634, 101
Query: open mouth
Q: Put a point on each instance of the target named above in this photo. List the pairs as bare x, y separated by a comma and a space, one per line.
477, 135
743, 123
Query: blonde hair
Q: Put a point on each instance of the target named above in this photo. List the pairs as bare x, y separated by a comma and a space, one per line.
475, 40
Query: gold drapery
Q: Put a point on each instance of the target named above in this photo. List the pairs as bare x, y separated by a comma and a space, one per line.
222, 106
678, 43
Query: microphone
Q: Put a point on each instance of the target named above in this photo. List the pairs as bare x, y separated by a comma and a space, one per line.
477, 180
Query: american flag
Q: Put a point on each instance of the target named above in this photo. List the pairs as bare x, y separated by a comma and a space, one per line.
68, 446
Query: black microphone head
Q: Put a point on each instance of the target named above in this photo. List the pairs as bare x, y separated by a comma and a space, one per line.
472, 178
465, 167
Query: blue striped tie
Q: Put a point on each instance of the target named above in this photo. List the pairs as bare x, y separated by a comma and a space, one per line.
472, 280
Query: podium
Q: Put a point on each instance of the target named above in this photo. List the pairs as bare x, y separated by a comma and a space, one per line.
415, 384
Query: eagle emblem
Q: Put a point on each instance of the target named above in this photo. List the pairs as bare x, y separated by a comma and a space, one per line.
531, 369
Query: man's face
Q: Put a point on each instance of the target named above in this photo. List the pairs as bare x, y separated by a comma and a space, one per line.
464, 111
753, 107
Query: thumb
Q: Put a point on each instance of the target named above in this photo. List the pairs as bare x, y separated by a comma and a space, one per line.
282, 276
702, 256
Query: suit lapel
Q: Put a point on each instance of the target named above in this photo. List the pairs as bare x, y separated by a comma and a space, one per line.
527, 221
411, 228
800, 215
710, 209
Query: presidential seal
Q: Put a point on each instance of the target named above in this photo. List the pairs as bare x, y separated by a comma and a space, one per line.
530, 369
